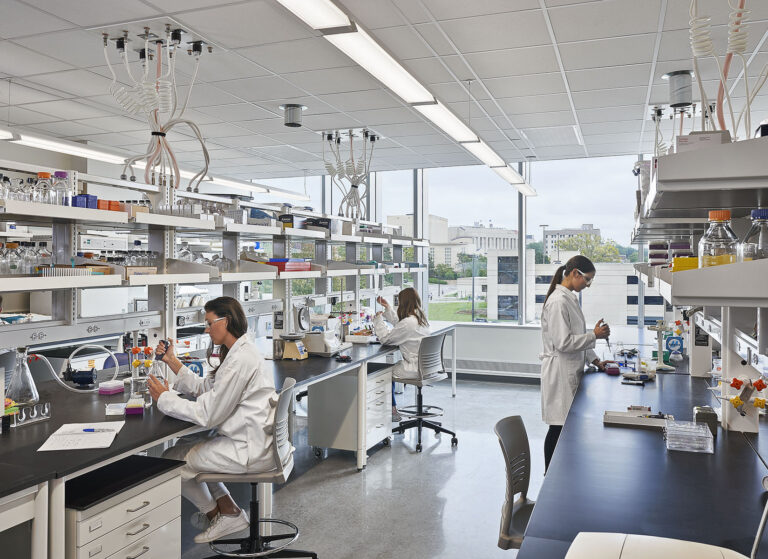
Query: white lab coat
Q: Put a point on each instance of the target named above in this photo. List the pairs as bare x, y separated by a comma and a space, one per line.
567, 348
407, 335
239, 402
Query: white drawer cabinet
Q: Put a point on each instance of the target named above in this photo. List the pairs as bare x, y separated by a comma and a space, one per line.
142, 521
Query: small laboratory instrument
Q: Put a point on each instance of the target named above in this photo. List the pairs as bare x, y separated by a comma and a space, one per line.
688, 436
755, 244
293, 346
612, 369
660, 328
324, 340
636, 416
719, 245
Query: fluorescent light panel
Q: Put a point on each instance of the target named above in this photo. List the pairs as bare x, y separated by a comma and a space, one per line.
448, 122
318, 14
484, 153
364, 50
514, 178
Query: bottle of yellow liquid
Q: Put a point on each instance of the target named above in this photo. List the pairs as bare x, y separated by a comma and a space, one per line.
719, 245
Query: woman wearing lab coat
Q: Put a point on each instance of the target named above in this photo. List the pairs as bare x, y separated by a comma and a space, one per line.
236, 399
567, 345
409, 326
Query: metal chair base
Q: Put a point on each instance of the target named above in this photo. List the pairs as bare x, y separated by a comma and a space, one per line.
419, 421
413, 412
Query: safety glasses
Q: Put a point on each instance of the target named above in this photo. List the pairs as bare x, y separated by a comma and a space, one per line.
587, 280
209, 325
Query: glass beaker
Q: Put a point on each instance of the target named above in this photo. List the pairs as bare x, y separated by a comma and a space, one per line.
22, 389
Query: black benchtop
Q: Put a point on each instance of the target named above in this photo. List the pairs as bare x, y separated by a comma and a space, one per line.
616, 479
21, 466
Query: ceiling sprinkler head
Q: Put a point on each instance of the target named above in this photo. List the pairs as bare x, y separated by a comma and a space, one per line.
292, 114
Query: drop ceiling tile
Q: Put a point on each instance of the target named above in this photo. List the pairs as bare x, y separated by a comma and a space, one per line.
171, 6
537, 120
95, 12
22, 116
428, 140
678, 16
402, 42
441, 149
76, 47
612, 18
492, 32
428, 70
225, 153
607, 139
612, 127
314, 53
609, 97
16, 60
80, 83
395, 131
635, 49
334, 80
376, 117
223, 131
22, 94
204, 95
611, 76
362, 100
611, 114
247, 24
513, 62
199, 118
222, 65
455, 9
375, 14
331, 121
16, 12
247, 141
535, 104
264, 126
519, 86
435, 36
260, 89
68, 129
66, 109
116, 123
236, 112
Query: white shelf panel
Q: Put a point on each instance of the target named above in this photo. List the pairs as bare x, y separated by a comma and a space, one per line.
401, 242
34, 283
164, 279
175, 221
301, 275
15, 235
246, 229
658, 278
372, 271
228, 277
303, 233
67, 213
420, 243
341, 273
375, 240
339, 238
732, 285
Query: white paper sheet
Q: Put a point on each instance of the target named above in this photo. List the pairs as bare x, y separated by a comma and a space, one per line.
72, 437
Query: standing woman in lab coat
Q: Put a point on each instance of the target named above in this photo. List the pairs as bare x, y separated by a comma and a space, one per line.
236, 400
567, 345
409, 326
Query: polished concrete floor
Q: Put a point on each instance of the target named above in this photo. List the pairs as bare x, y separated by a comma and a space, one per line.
443, 502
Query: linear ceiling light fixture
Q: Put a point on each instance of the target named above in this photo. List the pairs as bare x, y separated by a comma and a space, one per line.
513, 177
357, 44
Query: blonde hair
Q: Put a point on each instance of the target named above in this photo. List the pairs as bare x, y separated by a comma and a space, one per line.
409, 304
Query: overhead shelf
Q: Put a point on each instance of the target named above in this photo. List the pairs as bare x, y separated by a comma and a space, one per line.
732, 285
650, 228
742, 343
166, 279
401, 241
375, 240
250, 271
37, 283
689, 184
340, 269
303, 233
15, 235
658, 278
420, 243
175, 221
301, 275
257, 230
50, 212
339, 238
396, 270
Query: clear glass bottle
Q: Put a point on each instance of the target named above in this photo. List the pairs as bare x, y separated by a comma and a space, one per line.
15, 264
755, 245
22, 389
44, 257
3, 260
184, 252
719, 245
135, 257
28, 258
43, 188
60, 193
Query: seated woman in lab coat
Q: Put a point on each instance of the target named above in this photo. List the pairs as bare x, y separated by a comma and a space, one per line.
567, 346
236, 400
409, 326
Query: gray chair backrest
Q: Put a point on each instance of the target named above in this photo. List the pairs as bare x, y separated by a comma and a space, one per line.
281, 445
517, 455
431, 356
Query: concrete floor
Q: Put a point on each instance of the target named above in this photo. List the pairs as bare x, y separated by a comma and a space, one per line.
444, 502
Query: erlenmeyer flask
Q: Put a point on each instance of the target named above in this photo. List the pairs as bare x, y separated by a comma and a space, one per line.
22, 387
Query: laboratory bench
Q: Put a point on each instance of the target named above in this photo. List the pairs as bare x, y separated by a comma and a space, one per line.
618, 479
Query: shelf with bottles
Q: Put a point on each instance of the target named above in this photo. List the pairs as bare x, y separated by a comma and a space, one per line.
46, 213
303, 233
174, 221
647, 229
20, 235
315, 271
741, 284
339, 238
40, 283
247, 270
259, 231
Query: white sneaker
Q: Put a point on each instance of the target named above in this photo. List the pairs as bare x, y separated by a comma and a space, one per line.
200, 521
222, 526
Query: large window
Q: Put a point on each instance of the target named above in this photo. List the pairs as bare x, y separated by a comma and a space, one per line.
508, 270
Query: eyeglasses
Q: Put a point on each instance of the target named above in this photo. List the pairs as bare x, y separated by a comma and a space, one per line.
587, 280
209, 325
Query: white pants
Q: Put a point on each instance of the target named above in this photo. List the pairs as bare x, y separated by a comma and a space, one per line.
205, 452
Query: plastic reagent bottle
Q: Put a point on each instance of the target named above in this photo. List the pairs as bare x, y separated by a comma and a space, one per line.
755, 245
719, 245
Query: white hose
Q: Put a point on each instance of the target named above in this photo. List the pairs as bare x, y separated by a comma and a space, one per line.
58, 378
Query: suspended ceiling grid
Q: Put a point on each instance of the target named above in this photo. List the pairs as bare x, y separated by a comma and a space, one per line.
550, 79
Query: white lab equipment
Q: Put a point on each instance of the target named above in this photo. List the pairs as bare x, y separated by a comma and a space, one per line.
604, 545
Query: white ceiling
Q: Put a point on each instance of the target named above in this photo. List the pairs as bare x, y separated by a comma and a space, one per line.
545, 74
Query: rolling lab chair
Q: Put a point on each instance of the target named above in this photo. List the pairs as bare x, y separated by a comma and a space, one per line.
517, 457
431, 370
256, 544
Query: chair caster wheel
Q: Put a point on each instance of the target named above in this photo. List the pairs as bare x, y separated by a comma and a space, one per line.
318, 452
385, 442
418, 448
454, 441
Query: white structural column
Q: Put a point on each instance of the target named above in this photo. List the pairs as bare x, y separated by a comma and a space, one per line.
40, 523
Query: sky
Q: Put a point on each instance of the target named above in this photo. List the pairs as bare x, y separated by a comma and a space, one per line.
598, 190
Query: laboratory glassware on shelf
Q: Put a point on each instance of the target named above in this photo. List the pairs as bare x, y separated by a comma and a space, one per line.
719, 245
60, 193
755, 245
43, 189
22, 388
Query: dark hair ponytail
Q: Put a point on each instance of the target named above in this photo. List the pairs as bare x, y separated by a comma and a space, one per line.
237, 324
578, 262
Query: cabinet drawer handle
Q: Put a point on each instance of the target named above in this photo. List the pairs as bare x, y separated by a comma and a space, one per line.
380, 404
379, 426
139, 554
95, 551
380, 392
139, 531
143, 505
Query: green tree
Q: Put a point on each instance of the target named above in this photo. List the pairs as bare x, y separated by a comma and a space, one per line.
464, 265
629, 252
541, 254
444, 271
593, 247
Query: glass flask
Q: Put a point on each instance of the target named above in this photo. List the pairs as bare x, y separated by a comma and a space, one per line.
22, 389
719, 245
755, 245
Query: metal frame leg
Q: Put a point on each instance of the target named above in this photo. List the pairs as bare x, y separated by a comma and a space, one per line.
56, 518
453, 362
265, 506
40, 523
362, 380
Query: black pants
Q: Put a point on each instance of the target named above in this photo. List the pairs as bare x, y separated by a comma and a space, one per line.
550, 442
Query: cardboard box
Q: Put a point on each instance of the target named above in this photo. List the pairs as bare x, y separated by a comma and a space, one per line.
698, 140
139, 271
